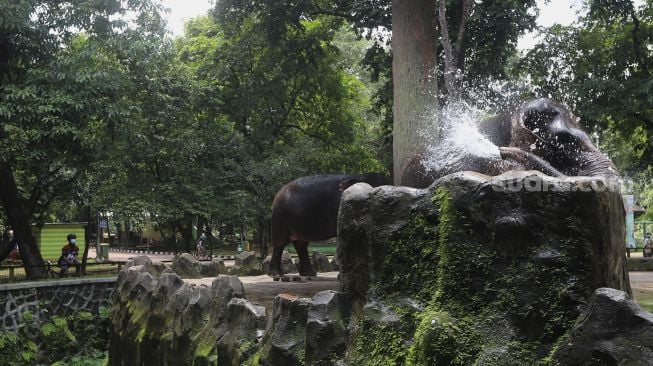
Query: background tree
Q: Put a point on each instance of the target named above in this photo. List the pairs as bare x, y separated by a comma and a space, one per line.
414, 68
60, 81
600, 67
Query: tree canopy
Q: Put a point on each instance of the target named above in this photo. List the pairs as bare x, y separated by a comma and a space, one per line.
601, 68
101, 110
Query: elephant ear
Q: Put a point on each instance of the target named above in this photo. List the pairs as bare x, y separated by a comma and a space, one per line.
347, 183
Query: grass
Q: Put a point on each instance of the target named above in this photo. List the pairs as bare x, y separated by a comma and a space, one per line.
644, 298
640, 264
328, 249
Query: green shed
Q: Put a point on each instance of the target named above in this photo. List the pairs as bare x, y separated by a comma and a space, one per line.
52, 238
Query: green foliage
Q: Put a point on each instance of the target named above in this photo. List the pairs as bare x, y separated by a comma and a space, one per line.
57, 339
78, 339
601, 69
491, 38
16, 350
63, 74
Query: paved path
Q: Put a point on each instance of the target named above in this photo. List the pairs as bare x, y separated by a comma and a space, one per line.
641, 280
123, 257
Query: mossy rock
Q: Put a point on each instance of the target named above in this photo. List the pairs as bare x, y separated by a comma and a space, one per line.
504, 274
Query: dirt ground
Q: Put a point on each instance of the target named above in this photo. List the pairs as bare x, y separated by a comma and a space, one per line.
262, 289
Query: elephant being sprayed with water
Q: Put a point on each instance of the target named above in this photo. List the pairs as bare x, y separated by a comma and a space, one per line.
306, 210
540, 135
547, 137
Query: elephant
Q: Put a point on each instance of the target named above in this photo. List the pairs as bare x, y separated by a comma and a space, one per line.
543, 135
547, 137
305, 210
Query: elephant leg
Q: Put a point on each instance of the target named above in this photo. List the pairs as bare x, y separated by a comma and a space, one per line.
305, 266
274, 269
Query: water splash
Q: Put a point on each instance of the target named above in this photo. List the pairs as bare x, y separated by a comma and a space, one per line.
461, 141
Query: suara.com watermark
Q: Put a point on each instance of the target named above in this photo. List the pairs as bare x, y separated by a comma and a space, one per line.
565, 184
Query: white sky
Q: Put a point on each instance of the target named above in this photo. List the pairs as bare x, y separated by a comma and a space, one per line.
556, 11
182, 10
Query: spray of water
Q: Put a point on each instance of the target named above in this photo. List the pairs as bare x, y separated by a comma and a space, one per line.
461, 140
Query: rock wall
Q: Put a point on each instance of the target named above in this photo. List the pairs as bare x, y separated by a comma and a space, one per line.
45, 299
519, 269
158, 319
476, 270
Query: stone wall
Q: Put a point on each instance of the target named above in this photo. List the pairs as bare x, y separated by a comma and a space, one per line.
48, 298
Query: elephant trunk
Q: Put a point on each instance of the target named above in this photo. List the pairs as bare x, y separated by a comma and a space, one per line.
594, 164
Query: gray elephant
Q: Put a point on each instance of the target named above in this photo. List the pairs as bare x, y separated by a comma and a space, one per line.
547, 137
306, 210
543, 135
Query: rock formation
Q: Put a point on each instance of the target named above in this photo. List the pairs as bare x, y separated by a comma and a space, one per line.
287, 264
247, 264
320, 262
476, 269
518, 269
157, 319
187, 266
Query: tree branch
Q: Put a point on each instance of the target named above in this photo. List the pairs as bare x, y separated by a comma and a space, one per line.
457, 52
637, 43
449, 72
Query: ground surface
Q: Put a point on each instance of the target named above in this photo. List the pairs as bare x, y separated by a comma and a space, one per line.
642, 286
262, 289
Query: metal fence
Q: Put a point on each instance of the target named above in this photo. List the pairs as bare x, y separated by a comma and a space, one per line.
16, 272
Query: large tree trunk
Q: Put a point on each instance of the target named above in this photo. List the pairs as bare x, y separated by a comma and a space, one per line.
414, 81
19, 217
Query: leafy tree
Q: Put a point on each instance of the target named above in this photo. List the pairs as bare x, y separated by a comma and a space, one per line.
61, 82
601, 69
219, 122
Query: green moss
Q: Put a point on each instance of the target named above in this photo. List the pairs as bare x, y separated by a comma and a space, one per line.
464, 262
206, 352
140, 335
138, 313
408, 264
253, 360
379, 342
442, 340
167, 336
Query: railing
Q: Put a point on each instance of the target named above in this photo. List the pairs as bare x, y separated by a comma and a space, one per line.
16, 272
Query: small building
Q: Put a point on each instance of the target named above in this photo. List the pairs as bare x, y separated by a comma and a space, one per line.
52, 237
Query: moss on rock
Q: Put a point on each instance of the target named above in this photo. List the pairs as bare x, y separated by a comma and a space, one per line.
442, 340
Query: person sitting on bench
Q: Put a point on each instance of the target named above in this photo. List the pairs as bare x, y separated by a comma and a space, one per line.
69, 256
